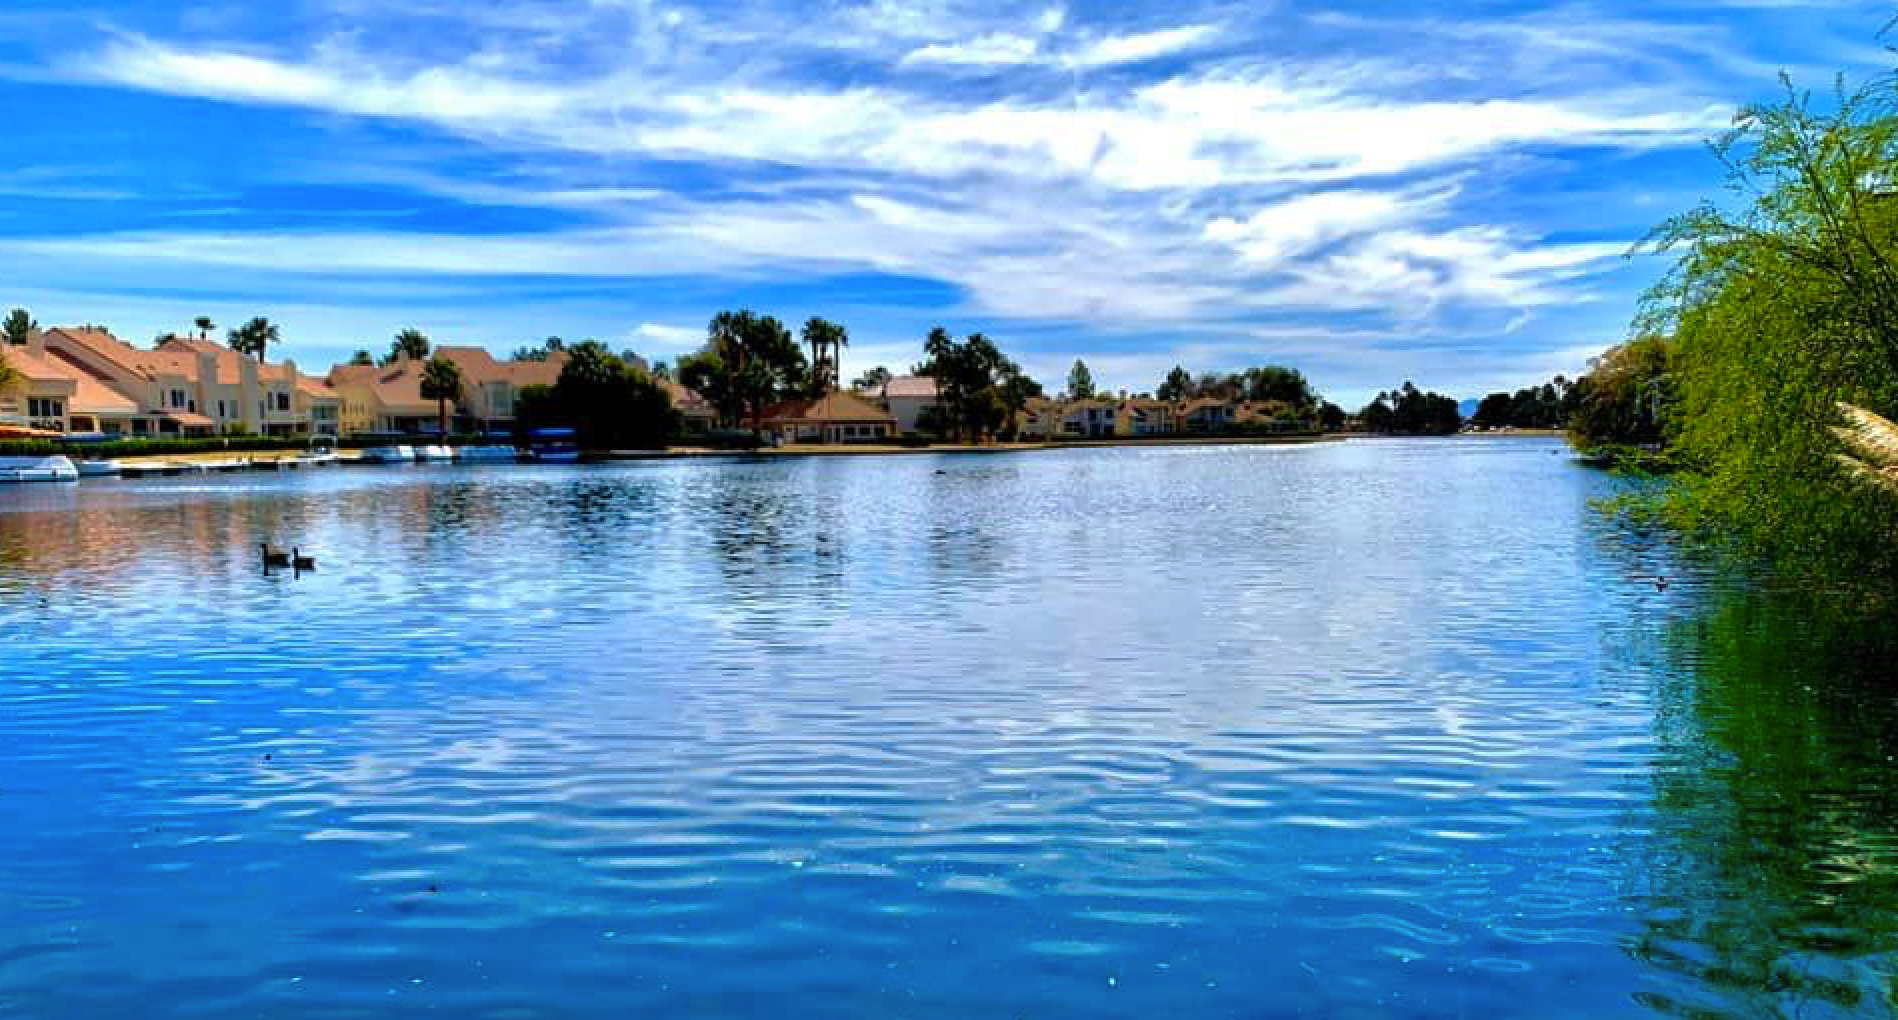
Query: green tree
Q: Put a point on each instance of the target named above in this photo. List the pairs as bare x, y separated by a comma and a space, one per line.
253, 338
748, 362
1625, 400
205, 326
1410, 411
1177, 386
441, 382
613, 405
362, 357
17, 326
411, 344
873, 380
1080, 381
977, 388
1330, 416
1782, 304
827, 341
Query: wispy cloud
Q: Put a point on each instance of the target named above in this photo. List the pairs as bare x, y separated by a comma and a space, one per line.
1093, 178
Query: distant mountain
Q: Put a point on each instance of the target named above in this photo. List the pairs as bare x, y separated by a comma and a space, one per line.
1467, 407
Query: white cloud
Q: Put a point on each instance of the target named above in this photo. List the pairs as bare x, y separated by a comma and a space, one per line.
989, 50
1127, 49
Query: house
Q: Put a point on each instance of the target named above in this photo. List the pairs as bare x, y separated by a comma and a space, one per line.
1040, 418
490, 386
696, 412
1142, 416
384, 398
1090, 419
907, 398
1206, 415
186, 386
41, 394
836, 417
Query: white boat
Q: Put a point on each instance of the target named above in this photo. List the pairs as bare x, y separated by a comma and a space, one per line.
37, 469
434, 452
488, 453
98, 468
388, 455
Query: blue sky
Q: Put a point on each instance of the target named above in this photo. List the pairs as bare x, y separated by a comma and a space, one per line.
1368, 191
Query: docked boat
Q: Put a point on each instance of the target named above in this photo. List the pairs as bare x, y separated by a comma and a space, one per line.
554, 446
488, 454
38, 469
435, 452
388, 455
98, 468
322, 453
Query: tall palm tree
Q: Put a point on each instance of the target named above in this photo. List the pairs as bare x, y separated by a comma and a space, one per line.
1873, 441
253, 338
205, 326
827, 341
441, 382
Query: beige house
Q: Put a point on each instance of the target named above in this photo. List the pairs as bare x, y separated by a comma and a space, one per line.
388, 398
184, 387
836, 417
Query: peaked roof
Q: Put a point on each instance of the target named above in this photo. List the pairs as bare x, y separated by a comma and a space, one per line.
837, 405
90, 395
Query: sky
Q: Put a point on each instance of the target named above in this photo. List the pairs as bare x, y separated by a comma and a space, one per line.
1368, 191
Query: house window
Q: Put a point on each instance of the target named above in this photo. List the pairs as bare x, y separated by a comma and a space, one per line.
283, 401
177, 399
42, 407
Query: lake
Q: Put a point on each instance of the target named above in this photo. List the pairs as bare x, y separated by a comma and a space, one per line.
1364, 729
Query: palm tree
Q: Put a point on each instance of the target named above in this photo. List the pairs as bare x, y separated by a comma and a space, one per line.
1873, 441
827, 341
253, 338
441, 382
411, 344
205, 326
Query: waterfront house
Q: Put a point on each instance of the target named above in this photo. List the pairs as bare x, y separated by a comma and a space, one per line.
1206, 415
1090, 419
384, 398
490, 386
185, 386
1039, 418
1144, 416
697, 413
908, 398
836, 417
39, 396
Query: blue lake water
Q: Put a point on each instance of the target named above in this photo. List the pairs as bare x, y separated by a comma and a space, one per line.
1370, 729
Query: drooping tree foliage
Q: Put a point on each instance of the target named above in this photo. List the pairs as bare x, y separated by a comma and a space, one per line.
1783, 303
613, 405
872, 380
749, 362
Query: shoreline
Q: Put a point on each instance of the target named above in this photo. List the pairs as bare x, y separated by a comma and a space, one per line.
353, 457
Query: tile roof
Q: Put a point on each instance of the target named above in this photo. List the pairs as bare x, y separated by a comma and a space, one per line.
837, 405
90, 394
